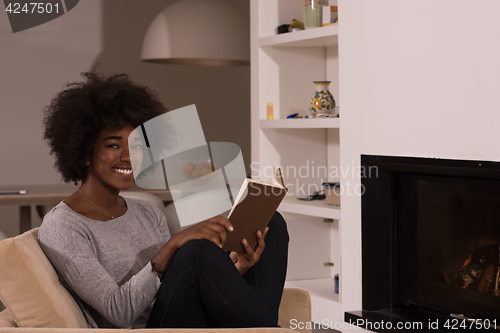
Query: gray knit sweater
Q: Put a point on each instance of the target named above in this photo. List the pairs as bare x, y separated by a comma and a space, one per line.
105, 265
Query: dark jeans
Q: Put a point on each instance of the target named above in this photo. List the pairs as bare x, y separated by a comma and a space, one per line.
203, 288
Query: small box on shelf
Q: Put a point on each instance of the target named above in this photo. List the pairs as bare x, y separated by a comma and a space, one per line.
283, 28
330, 15
270, 111
332, 193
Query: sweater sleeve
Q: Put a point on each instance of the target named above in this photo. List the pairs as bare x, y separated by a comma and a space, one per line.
70, 250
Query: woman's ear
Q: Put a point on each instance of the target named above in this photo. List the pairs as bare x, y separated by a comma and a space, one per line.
88, 157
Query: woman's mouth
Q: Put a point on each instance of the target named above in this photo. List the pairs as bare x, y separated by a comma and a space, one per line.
124, 172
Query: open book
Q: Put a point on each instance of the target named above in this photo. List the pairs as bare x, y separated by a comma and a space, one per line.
255, 210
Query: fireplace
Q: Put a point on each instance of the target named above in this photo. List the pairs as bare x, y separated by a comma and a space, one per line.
430, 244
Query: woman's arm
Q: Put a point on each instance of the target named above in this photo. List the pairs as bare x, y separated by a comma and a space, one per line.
67, 244
213, 229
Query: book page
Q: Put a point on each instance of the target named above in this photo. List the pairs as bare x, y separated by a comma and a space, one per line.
277, 181
238, 198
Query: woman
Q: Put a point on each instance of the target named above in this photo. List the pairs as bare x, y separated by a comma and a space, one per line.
116, 255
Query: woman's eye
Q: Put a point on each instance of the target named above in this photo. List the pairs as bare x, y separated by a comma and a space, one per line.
114, 146
137, 147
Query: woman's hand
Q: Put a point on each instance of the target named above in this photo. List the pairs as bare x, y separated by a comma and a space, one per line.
244, 261
213, 229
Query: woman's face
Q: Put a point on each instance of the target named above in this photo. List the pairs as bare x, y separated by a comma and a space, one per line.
110, 164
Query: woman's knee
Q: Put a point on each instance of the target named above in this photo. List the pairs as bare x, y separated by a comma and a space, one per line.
199, 249
278, 225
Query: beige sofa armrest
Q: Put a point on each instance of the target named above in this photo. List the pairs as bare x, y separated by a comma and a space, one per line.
295, 308
6, 319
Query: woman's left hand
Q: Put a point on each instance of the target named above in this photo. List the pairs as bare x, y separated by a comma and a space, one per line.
244, 261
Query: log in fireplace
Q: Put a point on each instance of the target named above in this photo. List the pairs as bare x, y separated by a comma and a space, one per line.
430, 244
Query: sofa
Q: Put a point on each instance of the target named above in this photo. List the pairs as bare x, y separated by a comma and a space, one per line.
37, 302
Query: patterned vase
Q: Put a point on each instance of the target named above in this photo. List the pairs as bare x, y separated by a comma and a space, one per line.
313, 16
322, 101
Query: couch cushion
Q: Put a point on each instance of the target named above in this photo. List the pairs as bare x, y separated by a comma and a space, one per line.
30, 288
6, 319
296, 305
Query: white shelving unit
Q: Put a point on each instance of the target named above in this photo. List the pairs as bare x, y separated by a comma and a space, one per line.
283, 68
301, 123
326, 36
309, 208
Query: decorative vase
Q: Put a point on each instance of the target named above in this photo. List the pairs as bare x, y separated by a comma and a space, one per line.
322, 102
313, 16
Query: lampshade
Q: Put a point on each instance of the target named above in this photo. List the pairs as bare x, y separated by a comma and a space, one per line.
199, 32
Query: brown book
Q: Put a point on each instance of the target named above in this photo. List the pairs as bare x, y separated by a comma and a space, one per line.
253, 212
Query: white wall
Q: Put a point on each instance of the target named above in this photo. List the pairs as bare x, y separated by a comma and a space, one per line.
417, 78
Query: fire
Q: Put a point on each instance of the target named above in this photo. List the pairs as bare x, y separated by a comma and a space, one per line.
467, 261
480, 271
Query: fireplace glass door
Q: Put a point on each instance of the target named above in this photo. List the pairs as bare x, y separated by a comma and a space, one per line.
450, 240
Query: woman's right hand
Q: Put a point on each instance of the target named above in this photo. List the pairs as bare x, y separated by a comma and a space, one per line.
213, 229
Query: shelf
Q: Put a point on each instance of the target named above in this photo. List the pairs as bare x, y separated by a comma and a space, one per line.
325, 302
316, 208
301, 123
317, 37
310, 55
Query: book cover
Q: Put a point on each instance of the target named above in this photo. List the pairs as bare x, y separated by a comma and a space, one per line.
254, 212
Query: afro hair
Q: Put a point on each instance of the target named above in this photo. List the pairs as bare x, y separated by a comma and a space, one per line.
77, 115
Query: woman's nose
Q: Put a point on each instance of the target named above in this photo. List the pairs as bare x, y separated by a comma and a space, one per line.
125, 156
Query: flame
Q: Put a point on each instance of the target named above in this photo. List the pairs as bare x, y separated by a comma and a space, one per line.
467, 262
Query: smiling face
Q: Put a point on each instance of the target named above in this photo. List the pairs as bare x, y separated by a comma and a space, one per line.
110, 164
